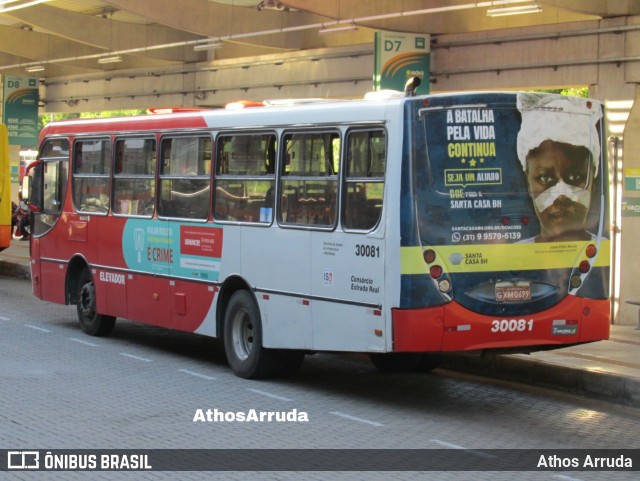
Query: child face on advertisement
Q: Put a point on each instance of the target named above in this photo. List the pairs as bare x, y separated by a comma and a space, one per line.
560, 179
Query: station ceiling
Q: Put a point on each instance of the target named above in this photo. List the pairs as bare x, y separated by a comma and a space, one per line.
58, 38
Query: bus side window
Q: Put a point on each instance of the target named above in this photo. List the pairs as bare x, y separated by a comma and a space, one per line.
245, 178
55, 175
310, 179
364, 180
134, 176
50, 183
91, 173
185, 173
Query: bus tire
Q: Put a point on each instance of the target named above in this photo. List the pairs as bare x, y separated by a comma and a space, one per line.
242, 334
429, 362
288, 362
395, 361
91, 322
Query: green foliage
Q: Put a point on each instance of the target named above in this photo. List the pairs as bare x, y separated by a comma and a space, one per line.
111, 113
45, 119
572, 92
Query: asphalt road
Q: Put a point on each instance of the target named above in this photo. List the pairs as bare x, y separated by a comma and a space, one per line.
150, 388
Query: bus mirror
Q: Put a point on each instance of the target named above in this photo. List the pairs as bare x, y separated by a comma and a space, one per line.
25, 188
410, 87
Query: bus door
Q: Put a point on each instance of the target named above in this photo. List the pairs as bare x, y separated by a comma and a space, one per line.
193, 247
348, 265
49, 188
145, 241
88, 228
307, 210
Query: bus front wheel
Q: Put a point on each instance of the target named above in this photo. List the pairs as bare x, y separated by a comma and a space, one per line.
243, 343
91, 322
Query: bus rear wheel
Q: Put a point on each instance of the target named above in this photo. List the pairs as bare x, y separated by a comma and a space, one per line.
428, 362
91, 322
243, 343
405, 361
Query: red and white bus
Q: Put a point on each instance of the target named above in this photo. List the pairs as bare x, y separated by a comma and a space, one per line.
402, 227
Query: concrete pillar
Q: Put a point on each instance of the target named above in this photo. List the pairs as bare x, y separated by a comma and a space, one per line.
630, 222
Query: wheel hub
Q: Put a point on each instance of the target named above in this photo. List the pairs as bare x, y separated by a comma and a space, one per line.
87, 300
242, 335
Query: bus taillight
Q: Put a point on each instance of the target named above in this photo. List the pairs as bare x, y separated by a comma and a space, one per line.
591, 251
429, 256
584, 267
435, 271
575, 281
444, 285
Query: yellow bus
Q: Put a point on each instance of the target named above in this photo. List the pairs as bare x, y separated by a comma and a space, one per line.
5, 190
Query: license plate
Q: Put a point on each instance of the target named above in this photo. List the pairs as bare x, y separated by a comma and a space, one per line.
513, 291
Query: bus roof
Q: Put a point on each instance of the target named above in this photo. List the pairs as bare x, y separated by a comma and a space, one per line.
270, 115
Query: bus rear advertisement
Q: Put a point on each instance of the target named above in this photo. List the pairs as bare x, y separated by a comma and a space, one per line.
404, 228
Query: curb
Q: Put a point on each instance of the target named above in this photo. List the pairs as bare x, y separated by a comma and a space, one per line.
11, 269
600, 385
